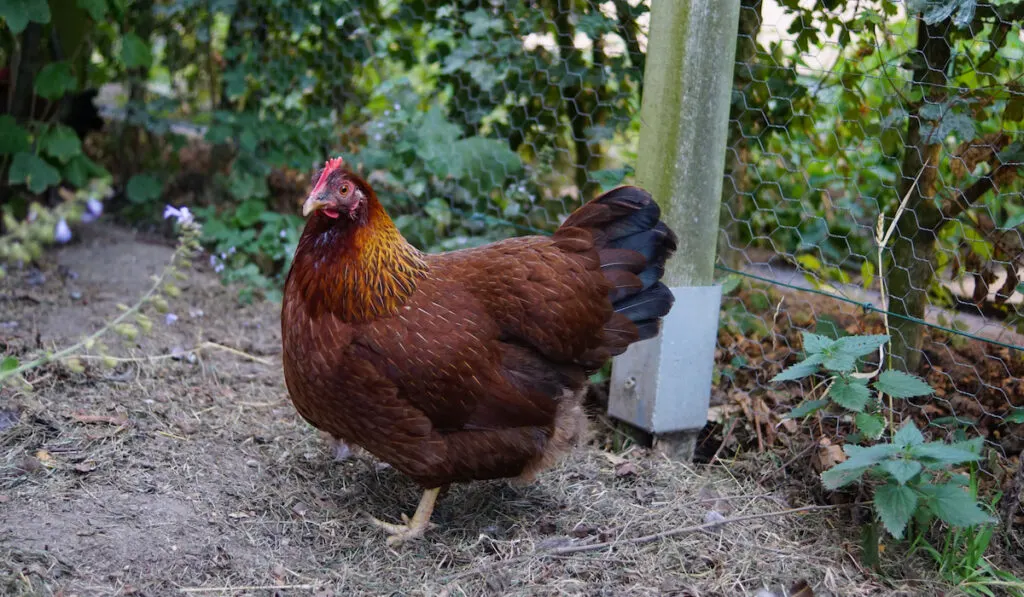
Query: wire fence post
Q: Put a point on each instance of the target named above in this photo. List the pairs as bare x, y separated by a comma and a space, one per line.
663, 385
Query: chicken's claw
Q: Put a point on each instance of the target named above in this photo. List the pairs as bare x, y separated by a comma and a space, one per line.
412, 528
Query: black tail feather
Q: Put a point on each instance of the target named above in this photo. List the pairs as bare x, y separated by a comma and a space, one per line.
631, 240
652, 303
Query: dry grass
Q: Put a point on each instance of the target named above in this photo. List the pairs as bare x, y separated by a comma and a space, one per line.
199, 477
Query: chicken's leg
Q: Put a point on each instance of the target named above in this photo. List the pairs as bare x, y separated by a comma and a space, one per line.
414, 527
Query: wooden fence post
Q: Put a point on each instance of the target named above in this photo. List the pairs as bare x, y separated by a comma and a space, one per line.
663, 385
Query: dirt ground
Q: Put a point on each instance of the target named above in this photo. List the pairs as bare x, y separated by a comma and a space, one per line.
194, 476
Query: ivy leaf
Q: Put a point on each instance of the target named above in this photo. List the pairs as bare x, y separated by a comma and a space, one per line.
18, 13
97, 9
799, 370
902, 385
439, 211
32, 171
143, 188
815, 343
954, 505
1017, 416
609, 179
871, 426
935, 11
60, 142
895, 505
807, 408
481, 164
902, 470
13, 138
850, 394
80, 169
55, 80
135, 52
908, 435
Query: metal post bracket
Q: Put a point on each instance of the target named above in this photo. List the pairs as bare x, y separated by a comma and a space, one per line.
676, 366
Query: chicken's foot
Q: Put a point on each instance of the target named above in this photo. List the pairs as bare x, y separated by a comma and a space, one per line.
414, 527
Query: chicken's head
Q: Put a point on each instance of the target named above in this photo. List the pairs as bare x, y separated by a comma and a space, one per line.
337, 193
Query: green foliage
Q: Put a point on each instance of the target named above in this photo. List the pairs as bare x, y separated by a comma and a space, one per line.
914, 476
251, 246
961, 560
19, 13
821, 148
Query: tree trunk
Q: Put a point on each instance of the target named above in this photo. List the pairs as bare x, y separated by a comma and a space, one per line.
29, 61
736, 181
913, 246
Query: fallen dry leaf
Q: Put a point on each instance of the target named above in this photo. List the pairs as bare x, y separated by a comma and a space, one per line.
626, 469
83, 418
801, 589
615, 459
86, 466
828, 455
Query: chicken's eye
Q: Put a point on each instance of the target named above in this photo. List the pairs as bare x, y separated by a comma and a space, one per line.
345, 188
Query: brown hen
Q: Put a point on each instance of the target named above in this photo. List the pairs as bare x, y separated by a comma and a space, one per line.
466, 365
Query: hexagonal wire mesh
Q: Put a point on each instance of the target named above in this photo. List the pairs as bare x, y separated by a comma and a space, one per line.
473, 120
480, 119
846, 110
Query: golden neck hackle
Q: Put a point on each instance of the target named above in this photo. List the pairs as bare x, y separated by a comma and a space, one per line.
360, 271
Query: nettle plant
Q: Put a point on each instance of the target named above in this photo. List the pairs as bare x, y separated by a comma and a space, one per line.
913, 479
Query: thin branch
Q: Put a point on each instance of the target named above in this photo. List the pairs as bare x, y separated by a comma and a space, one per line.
964, 199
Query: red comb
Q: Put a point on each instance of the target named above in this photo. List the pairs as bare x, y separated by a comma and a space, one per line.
329, 167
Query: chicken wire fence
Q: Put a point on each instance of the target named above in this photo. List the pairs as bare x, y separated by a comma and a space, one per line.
480, 119
843, 112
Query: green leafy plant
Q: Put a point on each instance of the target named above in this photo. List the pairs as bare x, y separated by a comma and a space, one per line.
911, 478
960, 557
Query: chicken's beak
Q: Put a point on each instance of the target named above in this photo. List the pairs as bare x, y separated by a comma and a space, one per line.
312, 204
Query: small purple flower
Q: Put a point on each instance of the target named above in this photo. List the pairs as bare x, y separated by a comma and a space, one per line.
183, 215
283, 234
231, 250
62, 232
397, 107
377, 137
93, 210
170, 318
218, 268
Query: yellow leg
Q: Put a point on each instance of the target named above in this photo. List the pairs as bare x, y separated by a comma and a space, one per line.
414, 527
